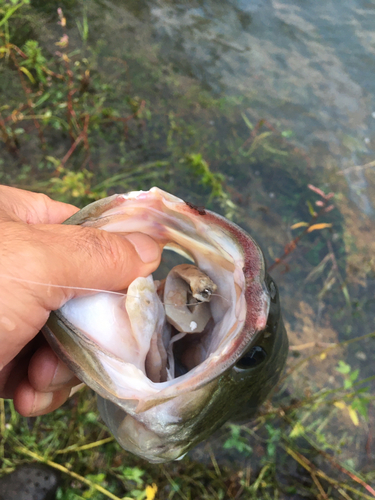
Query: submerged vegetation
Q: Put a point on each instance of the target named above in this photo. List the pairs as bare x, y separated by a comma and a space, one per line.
80, 119
88, 134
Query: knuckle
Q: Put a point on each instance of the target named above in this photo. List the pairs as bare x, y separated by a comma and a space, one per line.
108, 251
38, 210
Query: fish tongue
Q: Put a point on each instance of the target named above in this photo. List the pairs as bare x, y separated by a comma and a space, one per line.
156, 359
147, 319
132, 328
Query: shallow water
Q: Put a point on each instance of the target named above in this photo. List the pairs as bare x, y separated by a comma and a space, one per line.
305, 64
307, 68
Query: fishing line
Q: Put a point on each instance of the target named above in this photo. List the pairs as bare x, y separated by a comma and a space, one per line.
31, 282
98, 290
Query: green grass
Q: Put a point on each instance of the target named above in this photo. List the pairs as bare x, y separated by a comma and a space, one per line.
74, 441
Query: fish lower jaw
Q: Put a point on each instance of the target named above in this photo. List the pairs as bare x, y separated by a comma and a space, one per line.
136, 437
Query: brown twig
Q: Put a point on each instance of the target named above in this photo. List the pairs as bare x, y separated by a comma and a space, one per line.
323, 494
324, 351
312, 469
262, 122
86, 143
71, 114
301, 347
355, 478
357, 168
84, 131
71, 149
15, 113
6, 137
74, 475
336, 267
81, 137
27, 92
126, 119
369, 439
64, 42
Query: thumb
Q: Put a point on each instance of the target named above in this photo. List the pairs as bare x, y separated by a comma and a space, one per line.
43, 266
83, 257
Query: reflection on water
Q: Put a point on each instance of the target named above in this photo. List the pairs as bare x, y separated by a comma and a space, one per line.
307, 64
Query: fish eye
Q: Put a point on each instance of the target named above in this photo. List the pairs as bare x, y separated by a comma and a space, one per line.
252, 358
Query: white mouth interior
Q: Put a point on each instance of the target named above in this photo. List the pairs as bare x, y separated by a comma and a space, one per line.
131, 331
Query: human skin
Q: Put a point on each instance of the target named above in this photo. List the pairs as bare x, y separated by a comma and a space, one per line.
37, 251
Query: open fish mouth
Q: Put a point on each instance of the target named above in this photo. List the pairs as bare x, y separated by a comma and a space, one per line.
166, 357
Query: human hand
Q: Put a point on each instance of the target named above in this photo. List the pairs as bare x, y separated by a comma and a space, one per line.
35, 251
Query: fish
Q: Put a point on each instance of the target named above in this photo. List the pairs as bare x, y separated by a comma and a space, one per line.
172, 360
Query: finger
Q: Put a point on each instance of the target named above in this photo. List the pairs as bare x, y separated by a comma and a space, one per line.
10, 376
31, 403
32, 208
16, 370
48, 374
82, 257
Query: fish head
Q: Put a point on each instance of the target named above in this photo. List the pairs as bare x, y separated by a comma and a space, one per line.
114, 344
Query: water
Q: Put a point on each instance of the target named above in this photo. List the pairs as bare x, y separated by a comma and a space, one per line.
307, 68
305, 64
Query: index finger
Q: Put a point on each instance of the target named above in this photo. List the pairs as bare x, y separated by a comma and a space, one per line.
32, 208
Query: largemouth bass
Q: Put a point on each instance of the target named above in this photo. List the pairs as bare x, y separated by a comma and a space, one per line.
172, 360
